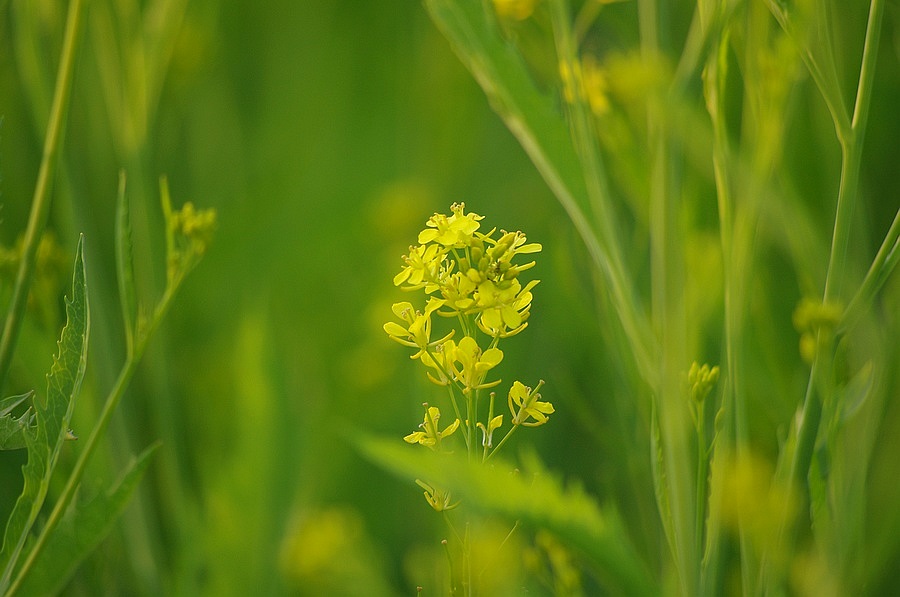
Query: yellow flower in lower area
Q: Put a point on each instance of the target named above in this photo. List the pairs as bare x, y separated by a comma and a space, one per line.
430, 435
526, 406
438, 499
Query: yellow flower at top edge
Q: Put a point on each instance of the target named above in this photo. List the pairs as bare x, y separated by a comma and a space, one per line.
453, 231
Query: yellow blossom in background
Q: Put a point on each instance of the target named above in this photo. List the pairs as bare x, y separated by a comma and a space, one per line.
596, 85
518, 10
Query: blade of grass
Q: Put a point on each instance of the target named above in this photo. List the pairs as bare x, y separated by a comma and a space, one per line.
40, 203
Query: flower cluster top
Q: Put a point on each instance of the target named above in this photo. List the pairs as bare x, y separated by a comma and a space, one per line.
470, 273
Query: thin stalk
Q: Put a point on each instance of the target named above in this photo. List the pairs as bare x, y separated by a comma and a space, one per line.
885, 261
40, 203
112, 401
851, 146
847, 192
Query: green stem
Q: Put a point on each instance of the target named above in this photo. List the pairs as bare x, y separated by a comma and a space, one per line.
40, 203
885, 260
112, 401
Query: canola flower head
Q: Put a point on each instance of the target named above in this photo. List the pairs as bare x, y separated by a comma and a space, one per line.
701, 380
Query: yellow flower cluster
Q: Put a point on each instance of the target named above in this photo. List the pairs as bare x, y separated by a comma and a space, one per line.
472, 278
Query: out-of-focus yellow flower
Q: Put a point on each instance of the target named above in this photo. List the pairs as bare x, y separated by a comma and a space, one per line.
439, 499
518, 10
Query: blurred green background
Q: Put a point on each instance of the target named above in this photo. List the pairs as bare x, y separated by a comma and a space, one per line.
324, 133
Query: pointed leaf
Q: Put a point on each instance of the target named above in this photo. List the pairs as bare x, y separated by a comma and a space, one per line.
52, 414
82, 530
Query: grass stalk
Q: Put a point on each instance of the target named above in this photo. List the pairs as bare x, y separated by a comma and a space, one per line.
40, 203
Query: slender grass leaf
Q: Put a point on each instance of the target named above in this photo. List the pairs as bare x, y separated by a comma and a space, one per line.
538, 500
660, 482
125, 264
52, 414
82, 530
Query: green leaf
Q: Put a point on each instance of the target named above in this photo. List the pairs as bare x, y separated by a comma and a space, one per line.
52, 414
82, 530
12, 429
538, 499
125, 264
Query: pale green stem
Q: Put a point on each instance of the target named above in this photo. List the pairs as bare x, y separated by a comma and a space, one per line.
885, 261
851, 145
40, 203
112, 401
850, 165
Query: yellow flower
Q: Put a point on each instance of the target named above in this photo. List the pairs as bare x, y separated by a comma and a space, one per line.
453, 231
475, 364
525, 404
488, 432
417, 333
437, 498
505, 307
515, 9
429, 435
423, 268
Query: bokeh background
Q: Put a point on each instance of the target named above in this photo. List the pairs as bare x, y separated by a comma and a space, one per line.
324, 134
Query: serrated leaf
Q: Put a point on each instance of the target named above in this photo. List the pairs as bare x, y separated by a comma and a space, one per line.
538, 499
125, 264
12, 429
52, 414
82, 530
